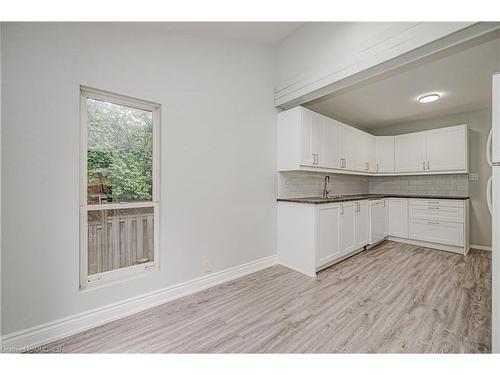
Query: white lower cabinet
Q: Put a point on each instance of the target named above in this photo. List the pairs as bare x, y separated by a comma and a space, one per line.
347, 227
314, 236
398, 217
441, 232
378, 221
442, 222
362, 224
328, 233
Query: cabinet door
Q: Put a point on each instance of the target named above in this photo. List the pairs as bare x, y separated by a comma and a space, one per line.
318, 137
447, 149
348, 148
378, 221
306, 137
362, 224
363, 149
347, 227
398, 217
384, 154
410, 153
372, 147
328, 234
330, 158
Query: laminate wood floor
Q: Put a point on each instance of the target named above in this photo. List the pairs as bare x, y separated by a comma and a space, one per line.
394, 298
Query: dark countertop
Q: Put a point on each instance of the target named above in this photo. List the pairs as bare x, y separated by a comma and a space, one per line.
359, 197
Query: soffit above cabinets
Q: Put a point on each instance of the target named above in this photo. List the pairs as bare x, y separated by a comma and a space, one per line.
463, 79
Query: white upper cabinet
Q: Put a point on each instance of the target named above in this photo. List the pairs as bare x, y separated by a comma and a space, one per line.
384, 151
332, 141
348, 152
364, 148
438, 150
446, 149
310, 141
409, 153
312, 135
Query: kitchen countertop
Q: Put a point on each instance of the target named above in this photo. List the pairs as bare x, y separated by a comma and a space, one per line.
359, 197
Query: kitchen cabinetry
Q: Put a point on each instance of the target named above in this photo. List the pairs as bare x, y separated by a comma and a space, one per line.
314, 236
378, 221
347, 227
311, 237
362, 224
307, 139
310, 141
384, 153
364, 145
328, 233
409, 153
438, 150
446, 149
349, 152
398, 217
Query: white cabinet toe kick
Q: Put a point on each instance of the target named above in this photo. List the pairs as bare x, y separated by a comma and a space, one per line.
312, 237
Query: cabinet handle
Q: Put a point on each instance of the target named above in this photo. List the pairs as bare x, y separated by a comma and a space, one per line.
433, 222
367, 166
317, 159
428, 165
423, 165
377, 167
341, 209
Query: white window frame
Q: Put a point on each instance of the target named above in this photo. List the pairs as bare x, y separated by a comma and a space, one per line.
126, 273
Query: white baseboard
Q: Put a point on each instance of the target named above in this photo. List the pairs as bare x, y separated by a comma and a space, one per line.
58, 329
431, 245
480, 247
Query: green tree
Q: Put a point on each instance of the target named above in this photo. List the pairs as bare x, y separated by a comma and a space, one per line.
120, 150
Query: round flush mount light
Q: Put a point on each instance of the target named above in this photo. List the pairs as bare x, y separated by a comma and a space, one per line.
429, 98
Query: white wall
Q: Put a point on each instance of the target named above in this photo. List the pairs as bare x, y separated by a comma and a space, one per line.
318, 56
218, 175
479, 123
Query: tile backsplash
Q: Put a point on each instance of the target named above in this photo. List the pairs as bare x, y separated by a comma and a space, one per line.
309, 184
450, 184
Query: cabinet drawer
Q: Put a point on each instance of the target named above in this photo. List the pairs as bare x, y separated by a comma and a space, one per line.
437, 202
437, 213
437, 231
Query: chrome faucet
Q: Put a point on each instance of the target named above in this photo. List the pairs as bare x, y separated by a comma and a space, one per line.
325, 190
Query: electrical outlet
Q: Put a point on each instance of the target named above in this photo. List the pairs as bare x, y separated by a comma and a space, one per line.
473, 177
207, 265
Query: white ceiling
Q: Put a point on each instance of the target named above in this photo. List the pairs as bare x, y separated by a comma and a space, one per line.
258, 32
461, 76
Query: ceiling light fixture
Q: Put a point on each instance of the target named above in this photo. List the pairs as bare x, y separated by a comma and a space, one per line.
429, 98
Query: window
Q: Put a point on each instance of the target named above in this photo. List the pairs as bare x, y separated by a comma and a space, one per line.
119, 187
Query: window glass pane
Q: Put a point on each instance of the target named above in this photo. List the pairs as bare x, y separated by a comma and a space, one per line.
119, 238
120, 153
